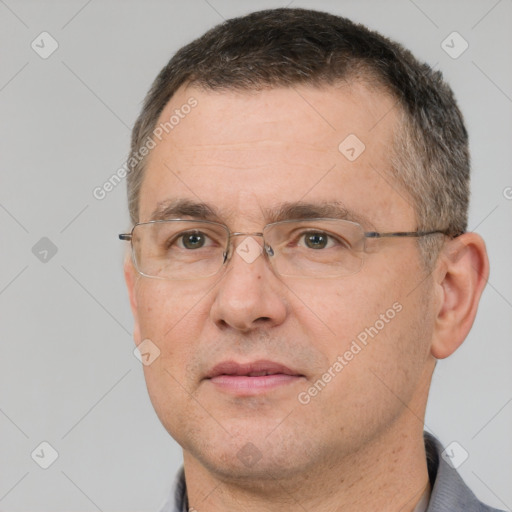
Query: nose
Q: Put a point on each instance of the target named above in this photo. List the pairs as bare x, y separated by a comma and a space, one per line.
249, 295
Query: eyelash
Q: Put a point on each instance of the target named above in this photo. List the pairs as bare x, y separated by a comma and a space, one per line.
296, 239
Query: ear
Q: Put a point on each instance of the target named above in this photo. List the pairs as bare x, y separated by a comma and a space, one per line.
131, 277
460, 276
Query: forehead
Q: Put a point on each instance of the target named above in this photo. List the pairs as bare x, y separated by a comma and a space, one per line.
244, 150
310, 114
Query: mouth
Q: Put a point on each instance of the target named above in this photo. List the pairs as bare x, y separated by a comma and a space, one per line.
251, 378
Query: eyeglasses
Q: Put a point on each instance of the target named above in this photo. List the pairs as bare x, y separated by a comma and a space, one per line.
180, 249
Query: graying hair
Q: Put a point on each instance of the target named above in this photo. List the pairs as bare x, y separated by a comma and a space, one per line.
286, 47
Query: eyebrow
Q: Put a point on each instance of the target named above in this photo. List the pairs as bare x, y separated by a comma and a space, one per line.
300, 210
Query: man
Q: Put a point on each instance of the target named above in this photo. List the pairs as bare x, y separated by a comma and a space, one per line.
299, 190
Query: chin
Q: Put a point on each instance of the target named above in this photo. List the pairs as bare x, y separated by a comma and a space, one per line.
253, 454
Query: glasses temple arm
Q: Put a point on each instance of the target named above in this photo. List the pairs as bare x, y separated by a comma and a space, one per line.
374, 234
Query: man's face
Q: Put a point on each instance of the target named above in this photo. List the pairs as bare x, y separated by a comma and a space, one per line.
244, 154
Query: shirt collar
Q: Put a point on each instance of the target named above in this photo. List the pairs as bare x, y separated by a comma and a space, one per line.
447, 490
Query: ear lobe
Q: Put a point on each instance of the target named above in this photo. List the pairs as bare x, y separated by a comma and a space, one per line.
131, 277
461, 274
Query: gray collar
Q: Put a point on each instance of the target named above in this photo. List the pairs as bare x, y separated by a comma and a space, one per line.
449, 492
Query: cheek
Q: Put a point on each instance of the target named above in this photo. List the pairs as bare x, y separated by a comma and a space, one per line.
164, 308
172, 316
376, 323
169, 316
339, 310
380, 367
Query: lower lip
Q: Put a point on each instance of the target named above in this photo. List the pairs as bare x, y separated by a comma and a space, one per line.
242, 384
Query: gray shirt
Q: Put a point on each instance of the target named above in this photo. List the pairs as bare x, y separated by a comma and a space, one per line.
449, 492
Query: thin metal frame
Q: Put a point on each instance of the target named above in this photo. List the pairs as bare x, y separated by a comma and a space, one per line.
128, 237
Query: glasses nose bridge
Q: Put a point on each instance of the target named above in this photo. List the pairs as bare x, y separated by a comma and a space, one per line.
230, 245
238, 233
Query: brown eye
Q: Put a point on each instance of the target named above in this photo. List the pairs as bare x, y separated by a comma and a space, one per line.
193, 240
321, 240
316, 240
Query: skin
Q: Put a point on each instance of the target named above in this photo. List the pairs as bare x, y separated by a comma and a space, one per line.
357, 445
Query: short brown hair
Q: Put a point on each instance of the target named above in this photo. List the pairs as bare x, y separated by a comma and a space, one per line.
285, 47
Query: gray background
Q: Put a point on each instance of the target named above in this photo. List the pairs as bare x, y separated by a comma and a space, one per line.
68, 374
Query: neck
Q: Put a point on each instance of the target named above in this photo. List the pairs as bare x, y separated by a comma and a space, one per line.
389, 475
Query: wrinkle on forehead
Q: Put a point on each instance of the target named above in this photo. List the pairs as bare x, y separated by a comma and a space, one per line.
254, 112
243, 157
234, 150
249, 145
